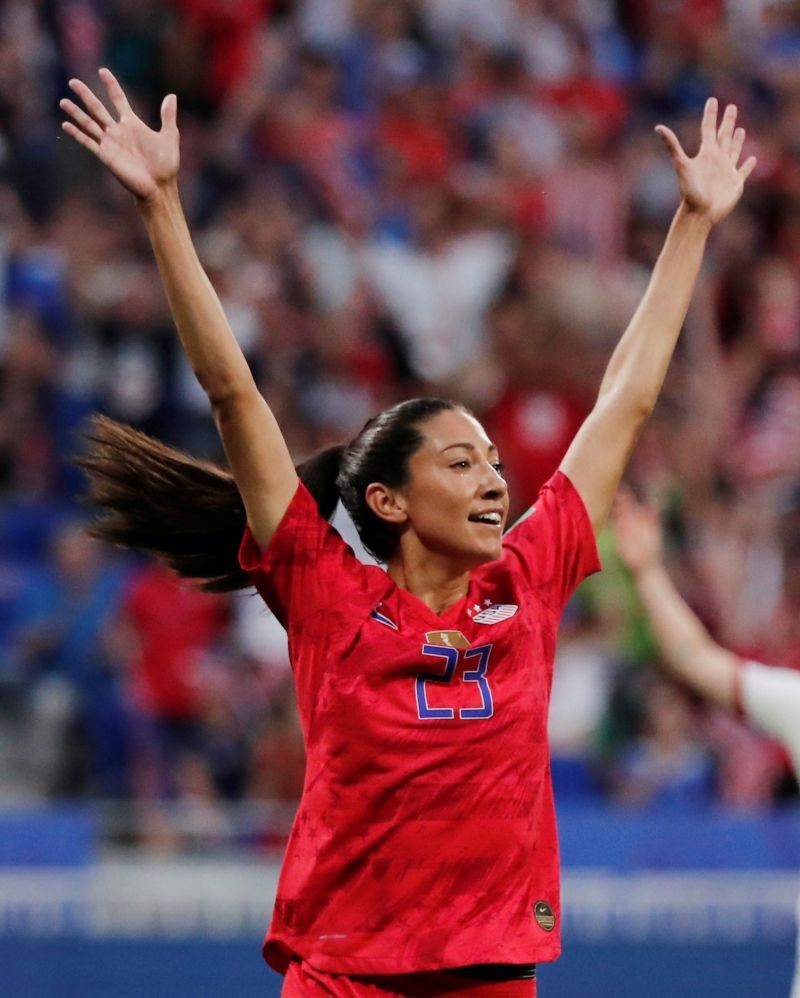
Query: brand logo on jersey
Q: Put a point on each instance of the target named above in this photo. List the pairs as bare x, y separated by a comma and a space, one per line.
544, 916
495, 613
382, 618
450, 639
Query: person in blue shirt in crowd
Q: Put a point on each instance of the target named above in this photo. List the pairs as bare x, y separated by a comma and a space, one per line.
74, 732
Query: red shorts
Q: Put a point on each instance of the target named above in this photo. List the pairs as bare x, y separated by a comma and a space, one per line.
303, 981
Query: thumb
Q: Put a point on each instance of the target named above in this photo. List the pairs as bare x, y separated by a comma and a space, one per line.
671, 142
169, 112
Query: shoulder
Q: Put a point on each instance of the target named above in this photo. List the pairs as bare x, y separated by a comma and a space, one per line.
299, 534
554, 538
307, 567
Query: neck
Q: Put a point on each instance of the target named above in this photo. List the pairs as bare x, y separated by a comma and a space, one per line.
436, 581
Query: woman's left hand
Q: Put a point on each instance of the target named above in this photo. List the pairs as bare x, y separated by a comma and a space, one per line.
712, 182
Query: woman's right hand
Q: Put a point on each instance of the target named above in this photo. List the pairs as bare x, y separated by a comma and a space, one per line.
637, 532
143, 161
711, 182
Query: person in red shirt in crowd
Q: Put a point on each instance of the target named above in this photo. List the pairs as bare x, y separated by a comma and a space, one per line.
413, 131
585, 93
539, 410
229, 34
171, 628
423, 859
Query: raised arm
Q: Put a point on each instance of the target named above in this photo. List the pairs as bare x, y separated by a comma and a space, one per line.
710, 185
688, 650
146, 163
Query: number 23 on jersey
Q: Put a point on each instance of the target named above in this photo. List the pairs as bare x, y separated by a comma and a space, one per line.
475, 667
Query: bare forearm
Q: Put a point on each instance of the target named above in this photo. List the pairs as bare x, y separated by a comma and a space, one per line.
686, 646
205, 334
639, 363
710, 184
601, 449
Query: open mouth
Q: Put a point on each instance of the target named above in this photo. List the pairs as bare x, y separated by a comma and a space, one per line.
493, 519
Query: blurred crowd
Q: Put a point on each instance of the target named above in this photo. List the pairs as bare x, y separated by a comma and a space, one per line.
392, 198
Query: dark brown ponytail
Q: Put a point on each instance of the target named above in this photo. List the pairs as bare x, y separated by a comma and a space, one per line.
186, 512
154, 498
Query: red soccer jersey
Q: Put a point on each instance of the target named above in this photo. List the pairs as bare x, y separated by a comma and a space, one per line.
425, 837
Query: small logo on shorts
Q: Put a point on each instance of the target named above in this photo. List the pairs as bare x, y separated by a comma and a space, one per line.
544, 916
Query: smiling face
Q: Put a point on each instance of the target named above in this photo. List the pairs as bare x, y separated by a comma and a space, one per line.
455, 503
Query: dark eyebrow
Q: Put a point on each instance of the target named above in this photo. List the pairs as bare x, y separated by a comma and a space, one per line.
465, 446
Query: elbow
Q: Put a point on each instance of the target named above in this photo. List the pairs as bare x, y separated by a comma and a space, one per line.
220, 396
642, 409
225, 407
633, 408
224, 392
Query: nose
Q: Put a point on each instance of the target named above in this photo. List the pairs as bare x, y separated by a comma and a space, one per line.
493, 485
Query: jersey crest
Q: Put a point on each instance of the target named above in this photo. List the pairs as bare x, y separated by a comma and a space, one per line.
495, 613
450, 639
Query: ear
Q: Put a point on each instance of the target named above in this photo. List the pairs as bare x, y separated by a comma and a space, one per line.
386, 503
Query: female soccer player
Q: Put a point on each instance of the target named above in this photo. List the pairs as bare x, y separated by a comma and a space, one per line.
767, 696
423, 859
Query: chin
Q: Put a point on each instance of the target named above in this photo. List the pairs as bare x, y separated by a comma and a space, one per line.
468, 554
484, 555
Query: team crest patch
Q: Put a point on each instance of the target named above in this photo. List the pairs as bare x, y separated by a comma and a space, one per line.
382, 618
544, 916
450, 639
495, 613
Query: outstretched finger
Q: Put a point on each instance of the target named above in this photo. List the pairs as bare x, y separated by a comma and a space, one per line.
82, 119
93, 104
169, 111
115, 92
736, 145
672, 143
708, 127
81, 137
725, 133
747, 167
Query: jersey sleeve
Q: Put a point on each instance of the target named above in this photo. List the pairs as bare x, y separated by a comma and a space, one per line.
771, 700
306, 566
553, 544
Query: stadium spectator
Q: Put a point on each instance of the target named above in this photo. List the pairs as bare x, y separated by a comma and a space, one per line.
169, 631
665, 768
76, 731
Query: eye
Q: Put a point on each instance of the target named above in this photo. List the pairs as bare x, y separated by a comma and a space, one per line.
463, 463
499, 467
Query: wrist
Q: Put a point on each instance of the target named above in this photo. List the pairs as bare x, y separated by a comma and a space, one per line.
696, 218
163, 198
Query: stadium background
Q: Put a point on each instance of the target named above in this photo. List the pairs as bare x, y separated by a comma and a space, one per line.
392, 197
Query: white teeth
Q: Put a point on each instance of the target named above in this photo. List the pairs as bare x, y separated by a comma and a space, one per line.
493, 518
